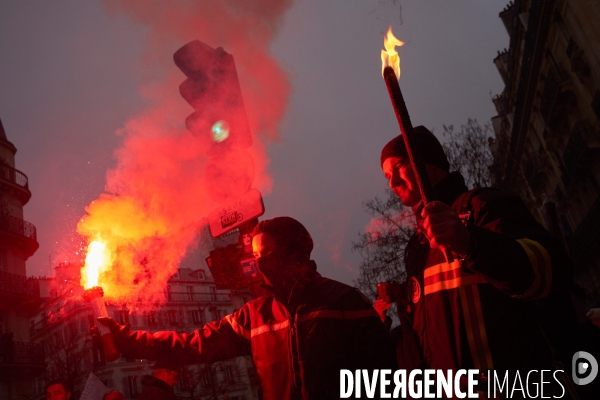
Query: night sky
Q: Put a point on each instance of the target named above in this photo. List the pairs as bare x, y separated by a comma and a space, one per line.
70, 77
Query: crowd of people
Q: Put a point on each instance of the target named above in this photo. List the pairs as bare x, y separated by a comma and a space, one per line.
487, 288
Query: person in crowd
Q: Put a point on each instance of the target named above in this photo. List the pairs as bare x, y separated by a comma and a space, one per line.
58, 389
499, 302
300, 335
159, 385
113, 394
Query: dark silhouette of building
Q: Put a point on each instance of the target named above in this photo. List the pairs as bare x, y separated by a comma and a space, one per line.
547, 145
20, 360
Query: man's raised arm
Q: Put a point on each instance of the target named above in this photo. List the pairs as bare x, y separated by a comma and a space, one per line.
215, 341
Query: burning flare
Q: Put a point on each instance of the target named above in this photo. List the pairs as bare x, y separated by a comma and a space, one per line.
389, 56
97, 260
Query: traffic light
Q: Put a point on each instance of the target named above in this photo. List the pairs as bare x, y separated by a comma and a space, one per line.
212, 88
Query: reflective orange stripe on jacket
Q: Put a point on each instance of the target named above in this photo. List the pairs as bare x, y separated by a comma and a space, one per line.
445, 276
271, 327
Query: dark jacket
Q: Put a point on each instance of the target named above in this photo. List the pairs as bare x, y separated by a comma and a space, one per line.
483, 312
298, 346
155, 389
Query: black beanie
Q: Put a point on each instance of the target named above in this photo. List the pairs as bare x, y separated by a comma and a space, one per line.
431, 149
289, 234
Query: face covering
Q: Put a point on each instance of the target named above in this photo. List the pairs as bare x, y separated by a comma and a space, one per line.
272, 264
278, 269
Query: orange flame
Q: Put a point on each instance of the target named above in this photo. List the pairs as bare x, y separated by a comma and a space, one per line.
97, 260
134, 248
389, 56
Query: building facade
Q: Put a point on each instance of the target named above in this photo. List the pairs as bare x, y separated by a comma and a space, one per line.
547, 144
62, 327
20, 360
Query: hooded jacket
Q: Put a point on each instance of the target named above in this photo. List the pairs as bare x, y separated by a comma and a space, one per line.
298, 345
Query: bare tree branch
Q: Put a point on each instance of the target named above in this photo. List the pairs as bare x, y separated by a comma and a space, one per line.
469, 153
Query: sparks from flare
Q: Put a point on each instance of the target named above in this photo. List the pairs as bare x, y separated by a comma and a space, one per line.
389, 56
97, 260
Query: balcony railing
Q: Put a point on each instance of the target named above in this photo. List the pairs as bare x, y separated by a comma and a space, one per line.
16, 353
19, 285
15, 225
15, 176
185, 297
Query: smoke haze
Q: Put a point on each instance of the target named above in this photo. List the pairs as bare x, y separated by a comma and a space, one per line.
159, 193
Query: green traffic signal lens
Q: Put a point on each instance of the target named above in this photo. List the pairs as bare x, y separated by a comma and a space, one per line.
220, 131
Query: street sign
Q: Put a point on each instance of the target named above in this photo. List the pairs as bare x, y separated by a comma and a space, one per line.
250, 267
236, 212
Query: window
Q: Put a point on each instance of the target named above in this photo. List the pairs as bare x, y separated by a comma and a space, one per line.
152, 321
184, 382
133, 319
196, 317
205, 377
213, 293
169, 297
91, 321
172, 315
217, 314
124, 317
229, 373
190, 293
98, 356
132, 384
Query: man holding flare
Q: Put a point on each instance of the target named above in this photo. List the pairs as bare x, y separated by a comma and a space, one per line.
300, 336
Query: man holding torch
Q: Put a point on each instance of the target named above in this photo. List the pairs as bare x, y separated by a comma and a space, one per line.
300, 336
499, 304
487, 285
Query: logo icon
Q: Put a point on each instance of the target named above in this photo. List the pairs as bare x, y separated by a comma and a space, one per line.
415, 290
584, 368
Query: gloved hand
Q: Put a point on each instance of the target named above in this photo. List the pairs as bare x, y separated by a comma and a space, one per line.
444, 229
381, 306
119, 332
113, 325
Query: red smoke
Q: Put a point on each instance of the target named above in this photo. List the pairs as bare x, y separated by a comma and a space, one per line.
379, 226
156, 199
